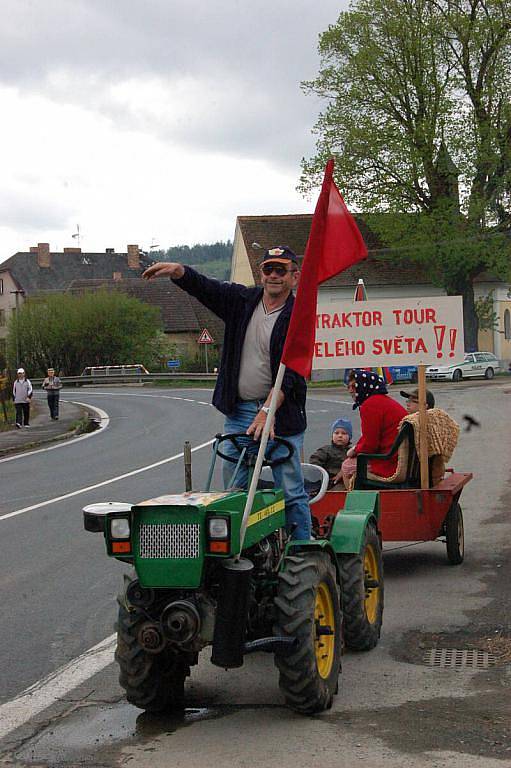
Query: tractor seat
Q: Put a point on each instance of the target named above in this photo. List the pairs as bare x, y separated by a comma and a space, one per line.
315, 481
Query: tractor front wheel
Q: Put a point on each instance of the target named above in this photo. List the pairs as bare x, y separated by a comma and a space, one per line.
152, 681
308, 609
362, 593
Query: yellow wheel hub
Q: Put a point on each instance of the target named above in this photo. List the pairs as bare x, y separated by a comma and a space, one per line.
324, 621
371, 579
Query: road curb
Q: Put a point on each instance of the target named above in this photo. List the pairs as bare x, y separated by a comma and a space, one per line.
67, 435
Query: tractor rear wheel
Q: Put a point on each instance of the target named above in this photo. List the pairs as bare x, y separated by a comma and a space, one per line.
308, 609
152, 681
362, 593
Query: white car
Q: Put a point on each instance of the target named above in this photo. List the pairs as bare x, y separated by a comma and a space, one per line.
483, 364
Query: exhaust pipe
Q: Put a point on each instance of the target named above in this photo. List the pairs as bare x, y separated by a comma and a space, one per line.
231, 613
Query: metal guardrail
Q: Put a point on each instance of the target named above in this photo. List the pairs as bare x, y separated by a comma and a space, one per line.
129, 378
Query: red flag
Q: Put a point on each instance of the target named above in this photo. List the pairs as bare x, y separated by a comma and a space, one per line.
334, 244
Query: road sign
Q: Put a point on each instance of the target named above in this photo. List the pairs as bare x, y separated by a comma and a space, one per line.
173, 363
412, 331
205, 337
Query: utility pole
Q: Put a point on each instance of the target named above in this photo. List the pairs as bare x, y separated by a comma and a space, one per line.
17, 294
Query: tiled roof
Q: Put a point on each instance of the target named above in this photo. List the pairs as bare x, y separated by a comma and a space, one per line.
180, 312
293, 230
66, 267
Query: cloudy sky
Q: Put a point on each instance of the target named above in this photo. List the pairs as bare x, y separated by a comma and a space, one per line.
152, 121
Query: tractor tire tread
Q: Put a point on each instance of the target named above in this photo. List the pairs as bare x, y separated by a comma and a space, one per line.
304, 690
359, 633
154, 682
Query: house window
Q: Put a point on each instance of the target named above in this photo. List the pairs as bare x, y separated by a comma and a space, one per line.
1, 287
507, 325
2, 317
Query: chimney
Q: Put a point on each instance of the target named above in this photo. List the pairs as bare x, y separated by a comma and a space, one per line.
117, 276
133, 257
109, 250
33, 249
72, 250
43, 255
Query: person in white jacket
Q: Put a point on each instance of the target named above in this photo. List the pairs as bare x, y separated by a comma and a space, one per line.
22, 395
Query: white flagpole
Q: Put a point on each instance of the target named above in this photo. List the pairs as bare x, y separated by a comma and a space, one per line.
260, 454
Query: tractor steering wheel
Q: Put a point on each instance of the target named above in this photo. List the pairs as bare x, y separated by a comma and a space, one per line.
267, 462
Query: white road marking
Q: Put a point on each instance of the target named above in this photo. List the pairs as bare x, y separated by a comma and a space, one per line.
46, 692
105, 421
325, 400
101, 484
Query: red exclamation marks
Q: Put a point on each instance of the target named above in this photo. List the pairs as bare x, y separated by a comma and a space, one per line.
440, 336
452, 340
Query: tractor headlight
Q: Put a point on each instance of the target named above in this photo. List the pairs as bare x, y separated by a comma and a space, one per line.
218, 528
120, 528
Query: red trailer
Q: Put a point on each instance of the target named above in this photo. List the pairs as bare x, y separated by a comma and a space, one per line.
410, 514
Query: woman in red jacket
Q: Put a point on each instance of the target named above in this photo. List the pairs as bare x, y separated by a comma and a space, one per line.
379, 420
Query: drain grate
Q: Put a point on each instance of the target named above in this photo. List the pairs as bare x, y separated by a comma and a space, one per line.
458, 658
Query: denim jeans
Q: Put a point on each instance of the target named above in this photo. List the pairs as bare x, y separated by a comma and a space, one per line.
287, 476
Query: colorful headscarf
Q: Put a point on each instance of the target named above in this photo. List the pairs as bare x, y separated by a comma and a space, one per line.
367, 383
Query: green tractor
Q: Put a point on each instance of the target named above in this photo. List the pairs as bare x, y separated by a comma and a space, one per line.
195, 586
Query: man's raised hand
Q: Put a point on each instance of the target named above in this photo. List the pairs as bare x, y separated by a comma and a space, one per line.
164, 269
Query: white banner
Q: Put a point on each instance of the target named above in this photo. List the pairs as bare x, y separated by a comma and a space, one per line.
417, 331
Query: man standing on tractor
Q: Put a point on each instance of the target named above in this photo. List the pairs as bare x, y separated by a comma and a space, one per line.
256, 322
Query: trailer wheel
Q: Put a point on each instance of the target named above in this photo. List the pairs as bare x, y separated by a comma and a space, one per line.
152, 681
454, 535
362, 593
308, 609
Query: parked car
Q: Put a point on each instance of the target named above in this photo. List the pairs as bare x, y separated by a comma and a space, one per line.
474, 364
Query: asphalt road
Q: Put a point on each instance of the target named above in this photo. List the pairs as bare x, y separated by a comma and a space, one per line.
57, 593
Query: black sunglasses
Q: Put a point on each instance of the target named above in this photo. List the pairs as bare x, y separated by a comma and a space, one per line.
279, 269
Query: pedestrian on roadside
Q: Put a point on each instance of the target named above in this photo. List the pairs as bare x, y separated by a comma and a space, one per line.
52, 384
256, 322
22, 395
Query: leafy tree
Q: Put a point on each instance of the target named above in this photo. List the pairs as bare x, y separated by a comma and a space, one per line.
419, 121
70, 332
488, 318
214, 259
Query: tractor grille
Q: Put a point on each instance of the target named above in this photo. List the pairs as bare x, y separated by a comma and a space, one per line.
163, 540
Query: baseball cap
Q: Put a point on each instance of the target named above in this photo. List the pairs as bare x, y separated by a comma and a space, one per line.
280, 254
414, 394
21, 370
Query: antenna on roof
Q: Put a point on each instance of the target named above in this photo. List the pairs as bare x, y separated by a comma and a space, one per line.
76, 235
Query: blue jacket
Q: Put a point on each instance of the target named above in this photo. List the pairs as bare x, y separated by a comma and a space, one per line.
235, 304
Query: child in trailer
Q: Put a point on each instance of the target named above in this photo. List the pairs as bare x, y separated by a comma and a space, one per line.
331, 456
